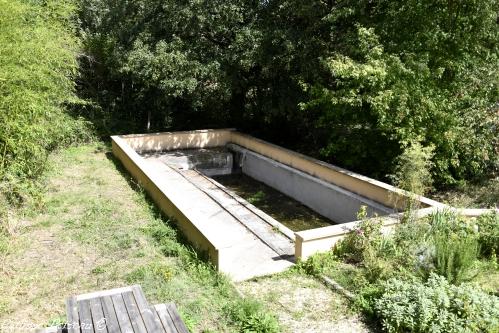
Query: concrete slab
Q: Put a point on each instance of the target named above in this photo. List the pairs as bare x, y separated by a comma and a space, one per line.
213, 161
241, 253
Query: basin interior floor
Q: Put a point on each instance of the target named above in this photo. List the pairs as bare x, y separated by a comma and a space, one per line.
281, 207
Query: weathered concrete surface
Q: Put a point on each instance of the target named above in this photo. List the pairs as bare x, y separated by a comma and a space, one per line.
373, 189
253, 222
233, 248
329, 200
211, 162
163, 192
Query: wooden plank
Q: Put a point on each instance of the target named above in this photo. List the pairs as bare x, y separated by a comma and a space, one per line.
85, 316
98, 319
73, 320
134, 313
110, 315
125, 322
177, 321
103, 293
153, 324
165, 318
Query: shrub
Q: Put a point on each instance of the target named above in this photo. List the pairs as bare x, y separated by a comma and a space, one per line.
454, 244
488, 233
436, 306
364, 237
37, 69
250, 317
455, 255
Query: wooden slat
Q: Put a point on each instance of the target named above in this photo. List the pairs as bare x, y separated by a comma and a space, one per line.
124, 320
73, 324
110, 315
97, 315
153, 324
177, 321
103, 293
85, 316
165, 318
133, 313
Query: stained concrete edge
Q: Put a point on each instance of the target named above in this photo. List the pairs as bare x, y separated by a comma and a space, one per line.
383, 193
138, 169
309, 242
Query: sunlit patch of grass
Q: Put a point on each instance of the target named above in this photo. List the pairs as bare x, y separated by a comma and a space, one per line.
97, 230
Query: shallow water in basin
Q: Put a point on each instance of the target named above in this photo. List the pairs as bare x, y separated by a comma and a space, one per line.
281, 207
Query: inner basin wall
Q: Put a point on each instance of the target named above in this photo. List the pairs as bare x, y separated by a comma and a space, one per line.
333, 202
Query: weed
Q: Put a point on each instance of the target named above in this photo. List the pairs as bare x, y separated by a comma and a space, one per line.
366, 236
257, 197
250, 317
455, 256
488, 228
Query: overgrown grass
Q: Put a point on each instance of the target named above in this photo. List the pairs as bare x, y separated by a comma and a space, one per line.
98, 230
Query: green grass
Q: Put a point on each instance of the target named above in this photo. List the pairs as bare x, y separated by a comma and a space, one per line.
98, 230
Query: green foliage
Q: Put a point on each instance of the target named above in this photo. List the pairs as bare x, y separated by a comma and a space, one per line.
356, 83
318, 263
250, 317
455, 245
455, 256
363, 239
366, 298
37, 70
415, 80
436, 306
412, 173
488, 229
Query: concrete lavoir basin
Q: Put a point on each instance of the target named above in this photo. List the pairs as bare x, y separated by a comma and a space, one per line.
240, 239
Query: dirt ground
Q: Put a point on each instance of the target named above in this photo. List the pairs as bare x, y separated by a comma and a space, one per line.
303, 304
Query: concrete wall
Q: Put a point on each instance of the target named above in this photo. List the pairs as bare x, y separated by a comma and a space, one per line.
307, 242
380, 192
142, 143
312, 241
329, 200
151, 181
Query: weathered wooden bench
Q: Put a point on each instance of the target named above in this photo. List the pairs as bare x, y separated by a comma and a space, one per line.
118, 311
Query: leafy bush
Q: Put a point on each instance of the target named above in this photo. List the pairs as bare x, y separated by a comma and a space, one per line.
37, 70
354, 84
250, 317
364, 237
488, 230
455, 245
455, 256
436, 306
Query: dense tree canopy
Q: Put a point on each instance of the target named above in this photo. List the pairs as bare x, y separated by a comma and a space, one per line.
352, 82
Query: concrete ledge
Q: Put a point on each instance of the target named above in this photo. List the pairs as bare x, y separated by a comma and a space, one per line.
196, 224
140, 170
312, 241
177, 140
383, 193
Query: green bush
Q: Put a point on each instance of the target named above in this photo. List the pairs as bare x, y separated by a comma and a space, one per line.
488, 231
250, 317
38, 64
455, 256
366, 236
436, 306
455, 244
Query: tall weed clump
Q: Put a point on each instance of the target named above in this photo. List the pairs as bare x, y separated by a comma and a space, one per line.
37, 69
456, 246
413, 174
